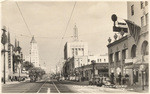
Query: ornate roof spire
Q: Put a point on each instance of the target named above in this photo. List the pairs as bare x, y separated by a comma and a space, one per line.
75, 33
33, 40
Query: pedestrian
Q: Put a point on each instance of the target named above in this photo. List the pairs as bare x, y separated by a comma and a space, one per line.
119, 78
134, 79
112, 78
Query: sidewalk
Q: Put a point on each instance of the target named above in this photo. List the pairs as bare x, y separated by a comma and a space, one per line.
8, 83
77, 83
137, 88
13, 82
134, 88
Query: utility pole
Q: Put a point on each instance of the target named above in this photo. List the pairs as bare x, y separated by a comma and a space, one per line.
93, 63
4, 41
56, 69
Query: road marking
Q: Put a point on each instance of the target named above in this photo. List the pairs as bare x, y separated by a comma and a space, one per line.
41, 87
48, 90
56, 87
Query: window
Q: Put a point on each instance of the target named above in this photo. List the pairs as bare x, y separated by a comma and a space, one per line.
146, 3
144, 50
142, 21
117, 56
132, 10
146, 18
100, 60
133, 51
124, 54
72, 51
88, 60
97, 60
141, 4
76, 51
83, 51
111, 57
104, 60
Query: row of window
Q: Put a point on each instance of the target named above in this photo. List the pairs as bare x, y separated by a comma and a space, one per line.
144, 19
98, 60
144, 51
80, 51
142, 4
117, 56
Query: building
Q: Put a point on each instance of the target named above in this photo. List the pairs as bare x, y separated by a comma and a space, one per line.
34, 54
139, 14
75, 54
13, 57
98, 58
129, 53
100, 66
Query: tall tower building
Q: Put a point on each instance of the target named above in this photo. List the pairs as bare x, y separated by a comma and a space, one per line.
76, 47
34, 55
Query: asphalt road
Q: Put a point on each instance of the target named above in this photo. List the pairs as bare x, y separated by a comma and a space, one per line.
53, 86
36, 87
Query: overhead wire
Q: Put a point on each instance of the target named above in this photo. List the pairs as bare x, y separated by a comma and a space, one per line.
65, 30
23, 18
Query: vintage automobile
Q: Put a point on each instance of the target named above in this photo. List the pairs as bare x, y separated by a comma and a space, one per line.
104, 81
94, 81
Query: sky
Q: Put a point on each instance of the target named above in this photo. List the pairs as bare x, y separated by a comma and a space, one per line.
48, 20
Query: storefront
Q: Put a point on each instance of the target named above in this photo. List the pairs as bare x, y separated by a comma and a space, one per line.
137, 75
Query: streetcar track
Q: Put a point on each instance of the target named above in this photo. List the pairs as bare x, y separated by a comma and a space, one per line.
41, 87
56, 87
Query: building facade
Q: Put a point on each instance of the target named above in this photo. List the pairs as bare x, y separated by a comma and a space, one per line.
34, 54
75, 54
75, 48
129, 53
139, 14
13, 57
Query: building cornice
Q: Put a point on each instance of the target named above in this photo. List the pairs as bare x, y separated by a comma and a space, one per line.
117, 41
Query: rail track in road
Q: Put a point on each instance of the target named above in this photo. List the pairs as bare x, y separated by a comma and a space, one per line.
48, 86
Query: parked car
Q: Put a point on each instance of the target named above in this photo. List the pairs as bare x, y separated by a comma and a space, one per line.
104, 81
61, 78
94, 82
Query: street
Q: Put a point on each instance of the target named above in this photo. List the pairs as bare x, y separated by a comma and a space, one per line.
53, 86
36, 87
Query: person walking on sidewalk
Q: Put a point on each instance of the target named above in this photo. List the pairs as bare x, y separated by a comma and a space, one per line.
112, 78
119, 76
134, 79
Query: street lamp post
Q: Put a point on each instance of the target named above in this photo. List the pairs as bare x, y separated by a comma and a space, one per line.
93, 63
4, 41
142, 68
19, 65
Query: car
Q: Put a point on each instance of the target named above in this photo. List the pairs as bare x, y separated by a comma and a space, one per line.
94, 81
104, 81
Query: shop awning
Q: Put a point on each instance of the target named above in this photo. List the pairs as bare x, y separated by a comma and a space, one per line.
135, 66
21, 74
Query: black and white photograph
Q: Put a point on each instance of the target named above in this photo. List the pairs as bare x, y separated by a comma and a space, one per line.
74, 46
